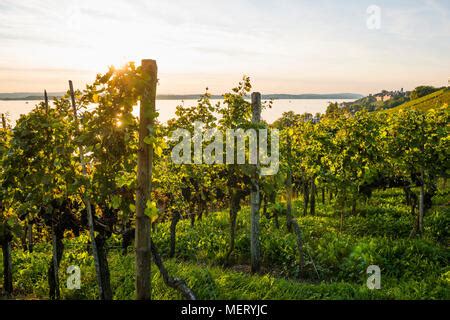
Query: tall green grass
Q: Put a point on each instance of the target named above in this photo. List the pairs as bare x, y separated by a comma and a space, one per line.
336, 259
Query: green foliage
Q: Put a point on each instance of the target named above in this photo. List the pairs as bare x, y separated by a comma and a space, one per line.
370, 103
436, 225
433, 100
422, 91
354, 154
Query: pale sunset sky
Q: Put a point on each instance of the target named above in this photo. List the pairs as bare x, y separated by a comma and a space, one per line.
286, 46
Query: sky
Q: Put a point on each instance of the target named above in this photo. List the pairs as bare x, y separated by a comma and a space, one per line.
285, 46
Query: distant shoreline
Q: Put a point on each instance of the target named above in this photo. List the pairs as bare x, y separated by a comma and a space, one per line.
31, 97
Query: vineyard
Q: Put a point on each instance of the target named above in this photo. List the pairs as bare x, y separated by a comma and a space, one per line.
87, 183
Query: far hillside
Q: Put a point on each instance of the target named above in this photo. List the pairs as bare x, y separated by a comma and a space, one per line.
434, 100
422, 97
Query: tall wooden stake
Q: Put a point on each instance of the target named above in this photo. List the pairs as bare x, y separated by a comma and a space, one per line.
46, 101
87, 201
54, 238
3, 121
55, 261
255, 194
144, 177
291, 222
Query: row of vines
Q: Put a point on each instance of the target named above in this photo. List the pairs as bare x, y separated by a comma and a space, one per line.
45, 185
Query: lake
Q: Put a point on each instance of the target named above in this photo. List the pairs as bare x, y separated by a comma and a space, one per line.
166, 108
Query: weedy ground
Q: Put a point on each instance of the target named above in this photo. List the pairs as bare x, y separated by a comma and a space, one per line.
336, 257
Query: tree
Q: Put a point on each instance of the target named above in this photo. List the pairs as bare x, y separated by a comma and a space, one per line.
290, 158
418, 144
352, 157
41, 175
255, 194
195, 176
8, 222
235, 113
422, 91
108, 133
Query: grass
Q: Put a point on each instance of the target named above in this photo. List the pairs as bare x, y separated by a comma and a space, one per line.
378, 234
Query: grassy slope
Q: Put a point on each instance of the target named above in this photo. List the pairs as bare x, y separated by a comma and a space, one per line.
433, 100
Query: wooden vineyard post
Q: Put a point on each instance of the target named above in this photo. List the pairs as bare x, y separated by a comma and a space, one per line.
144, 176
54, 238
46, 101
6, 249
55, 262
255, 193
291, 222
87, 203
